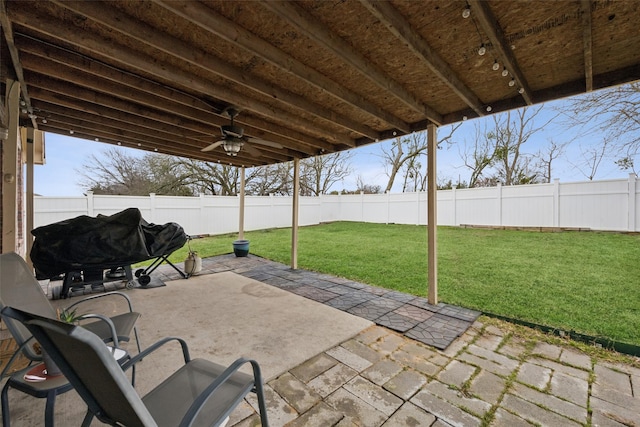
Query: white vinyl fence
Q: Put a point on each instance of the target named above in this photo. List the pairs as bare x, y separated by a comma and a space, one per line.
612, 205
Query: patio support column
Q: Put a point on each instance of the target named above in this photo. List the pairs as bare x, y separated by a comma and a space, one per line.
241, 212
30, 202
294, 213
432, 214
10, 171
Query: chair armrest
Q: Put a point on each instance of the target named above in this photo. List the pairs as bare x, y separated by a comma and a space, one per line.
199, 402
153, 347
14, 356
103, 295
112, 328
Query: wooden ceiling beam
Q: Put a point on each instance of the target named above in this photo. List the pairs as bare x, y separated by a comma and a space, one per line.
144, 33
52, 112
75, 60
89, 136
198, 110
481, 11
319, 33
26, 16
80, 78
81, 64
399, 26
45, 99
587, 43
94, 100
101, 131
7, 30
213, 22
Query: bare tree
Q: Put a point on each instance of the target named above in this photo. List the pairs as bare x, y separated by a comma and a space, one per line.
479, 155
404, 156
362, 187
113, 171
319, 173
614, 114
514, 165
498, 154
547, 156
591, 158
270, 179
212, 178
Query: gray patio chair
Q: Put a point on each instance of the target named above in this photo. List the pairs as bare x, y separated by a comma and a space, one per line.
20, 289
200, 393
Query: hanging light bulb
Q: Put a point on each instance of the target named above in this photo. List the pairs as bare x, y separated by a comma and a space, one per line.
505, 73
495, 65
512, 82
482, 50
466, 12
521, 90
489, 108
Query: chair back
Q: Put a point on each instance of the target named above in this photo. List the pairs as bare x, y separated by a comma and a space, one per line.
20, 289
90, 367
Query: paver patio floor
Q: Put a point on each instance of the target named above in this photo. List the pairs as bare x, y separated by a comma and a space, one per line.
432, 366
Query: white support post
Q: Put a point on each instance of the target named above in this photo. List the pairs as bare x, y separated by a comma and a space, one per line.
152, 205
241, 211
499, 197
454, 200
556, 202
388, 193
432, 214
632, 202
29, 187
294, 213
10, 171
90, 203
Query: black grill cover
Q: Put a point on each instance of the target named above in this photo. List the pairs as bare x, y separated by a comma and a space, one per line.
102, 242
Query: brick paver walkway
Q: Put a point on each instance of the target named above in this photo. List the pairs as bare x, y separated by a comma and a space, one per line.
467, 373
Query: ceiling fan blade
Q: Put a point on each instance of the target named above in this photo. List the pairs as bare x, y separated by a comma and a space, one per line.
252, 150
213, 146
264, 142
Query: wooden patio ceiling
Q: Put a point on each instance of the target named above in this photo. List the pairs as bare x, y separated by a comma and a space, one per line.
311, 77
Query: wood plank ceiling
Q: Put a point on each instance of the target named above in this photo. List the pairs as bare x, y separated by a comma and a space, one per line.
310, 77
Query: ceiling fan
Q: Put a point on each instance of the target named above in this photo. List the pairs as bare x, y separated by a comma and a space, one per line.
233, 138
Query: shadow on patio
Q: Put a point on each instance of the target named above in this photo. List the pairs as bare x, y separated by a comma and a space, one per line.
326, 363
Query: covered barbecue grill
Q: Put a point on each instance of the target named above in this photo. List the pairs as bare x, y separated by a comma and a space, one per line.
89, 245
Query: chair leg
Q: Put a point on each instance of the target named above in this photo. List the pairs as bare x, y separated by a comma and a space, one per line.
259, 389
48, 411
87, 419
5, 405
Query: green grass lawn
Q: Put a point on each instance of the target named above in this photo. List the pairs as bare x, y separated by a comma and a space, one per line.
583, 281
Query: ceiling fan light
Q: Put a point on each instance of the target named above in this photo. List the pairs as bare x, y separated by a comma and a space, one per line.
231, 147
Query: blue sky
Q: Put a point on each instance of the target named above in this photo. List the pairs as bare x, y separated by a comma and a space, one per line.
65, 156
